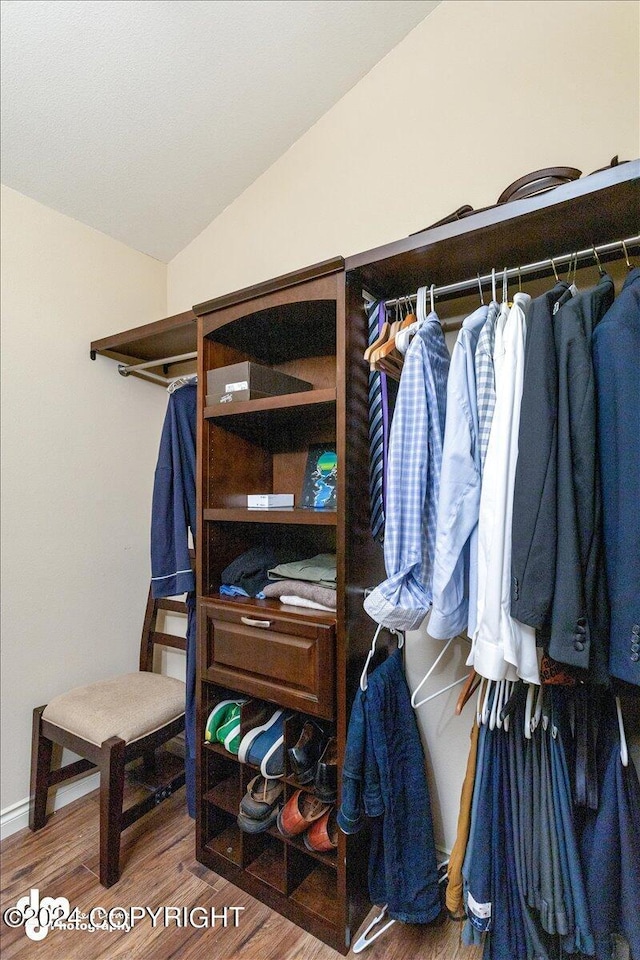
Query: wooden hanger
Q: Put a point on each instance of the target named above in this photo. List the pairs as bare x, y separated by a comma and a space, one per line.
382, 338
472, 683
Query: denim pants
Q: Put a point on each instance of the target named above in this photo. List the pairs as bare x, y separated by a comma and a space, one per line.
384, 779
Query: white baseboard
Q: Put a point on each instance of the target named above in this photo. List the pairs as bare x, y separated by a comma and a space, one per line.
16, 816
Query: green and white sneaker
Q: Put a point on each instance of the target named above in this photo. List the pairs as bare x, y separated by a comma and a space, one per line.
218, 716
228, 733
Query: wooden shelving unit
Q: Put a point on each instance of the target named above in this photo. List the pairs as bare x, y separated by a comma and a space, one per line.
312, 324
300, 661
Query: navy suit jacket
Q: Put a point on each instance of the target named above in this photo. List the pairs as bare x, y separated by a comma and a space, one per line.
533, 531
616, 358
580, 615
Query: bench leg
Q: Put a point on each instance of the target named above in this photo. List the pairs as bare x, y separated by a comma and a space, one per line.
41, 752
111, 797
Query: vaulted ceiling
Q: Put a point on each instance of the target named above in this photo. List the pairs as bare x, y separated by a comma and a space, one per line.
146, 118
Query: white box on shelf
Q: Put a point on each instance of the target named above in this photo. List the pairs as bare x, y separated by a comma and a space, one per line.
269, 501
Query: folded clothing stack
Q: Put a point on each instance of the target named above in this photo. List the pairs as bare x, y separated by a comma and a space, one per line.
249, 573
305, 583
302, 594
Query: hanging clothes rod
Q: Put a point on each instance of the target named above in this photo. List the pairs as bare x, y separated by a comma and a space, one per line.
124, 369
513, 273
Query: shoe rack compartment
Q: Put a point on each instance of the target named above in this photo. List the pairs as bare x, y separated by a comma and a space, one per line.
224, 774
311, 885
265, 859
288, 660
223, 833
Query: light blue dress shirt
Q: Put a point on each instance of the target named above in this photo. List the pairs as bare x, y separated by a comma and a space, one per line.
413, 480
455, 569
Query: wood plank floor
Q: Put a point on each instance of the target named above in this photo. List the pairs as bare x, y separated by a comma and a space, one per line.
160, 869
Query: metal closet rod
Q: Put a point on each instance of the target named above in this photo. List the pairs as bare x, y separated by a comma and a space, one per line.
516, 272
124, 369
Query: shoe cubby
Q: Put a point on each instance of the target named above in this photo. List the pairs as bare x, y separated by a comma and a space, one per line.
329, 858
225, 838
226, 791
265, 859
312, 886
292, 730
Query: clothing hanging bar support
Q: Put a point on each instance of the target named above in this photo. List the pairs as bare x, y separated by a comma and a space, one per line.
549, 264
124, 369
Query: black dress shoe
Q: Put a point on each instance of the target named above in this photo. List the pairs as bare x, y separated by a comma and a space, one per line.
303, 757
326, 784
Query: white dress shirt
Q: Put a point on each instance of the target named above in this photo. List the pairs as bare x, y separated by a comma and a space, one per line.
502, 647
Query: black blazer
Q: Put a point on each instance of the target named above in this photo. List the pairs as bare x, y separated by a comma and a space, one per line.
580, 614
533, 529
616, 358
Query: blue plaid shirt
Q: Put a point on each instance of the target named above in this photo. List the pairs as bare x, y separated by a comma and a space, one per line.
413, 481
486, 380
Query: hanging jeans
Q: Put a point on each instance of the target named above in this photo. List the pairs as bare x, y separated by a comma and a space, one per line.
384, 778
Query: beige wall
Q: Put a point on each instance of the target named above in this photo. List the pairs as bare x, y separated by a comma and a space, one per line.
475, 96
78, 452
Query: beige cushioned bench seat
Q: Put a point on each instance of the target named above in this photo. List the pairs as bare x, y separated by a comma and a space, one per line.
130, 706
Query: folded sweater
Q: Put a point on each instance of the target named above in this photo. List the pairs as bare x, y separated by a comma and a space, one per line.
307, 591
320, 569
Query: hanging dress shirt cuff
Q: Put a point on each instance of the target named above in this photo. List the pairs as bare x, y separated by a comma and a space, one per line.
487, 658
444, 624
400, 602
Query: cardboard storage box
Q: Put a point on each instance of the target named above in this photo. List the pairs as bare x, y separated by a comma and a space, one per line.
250, 381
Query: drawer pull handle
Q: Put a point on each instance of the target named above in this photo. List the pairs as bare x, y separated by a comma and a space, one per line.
255, 623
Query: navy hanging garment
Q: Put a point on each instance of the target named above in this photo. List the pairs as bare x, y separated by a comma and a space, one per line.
173, 515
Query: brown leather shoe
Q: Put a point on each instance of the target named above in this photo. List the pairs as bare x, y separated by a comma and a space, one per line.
323, 835
299, 813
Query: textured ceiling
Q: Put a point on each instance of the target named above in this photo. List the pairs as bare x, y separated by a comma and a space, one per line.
145, 118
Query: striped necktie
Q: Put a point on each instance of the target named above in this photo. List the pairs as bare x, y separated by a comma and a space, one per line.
378, 429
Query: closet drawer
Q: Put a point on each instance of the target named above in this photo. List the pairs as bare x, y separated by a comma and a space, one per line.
286, 659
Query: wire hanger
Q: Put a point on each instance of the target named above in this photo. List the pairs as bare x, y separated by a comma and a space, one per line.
624, 751
493, 285
363, 675
531, 716
418, 703
626, 256
553, 267
432, 297
597, 259
480, 289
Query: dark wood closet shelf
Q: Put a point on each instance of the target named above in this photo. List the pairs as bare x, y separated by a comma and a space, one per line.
226, 794
320, 518
297, 843
596, 209
252, 607
169, 337
286, 402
